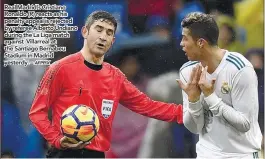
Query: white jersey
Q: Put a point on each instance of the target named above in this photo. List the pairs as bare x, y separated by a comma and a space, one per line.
227, 120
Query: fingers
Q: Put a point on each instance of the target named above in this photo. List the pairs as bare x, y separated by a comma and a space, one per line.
63, 140
81, 145
193, 80
73, 146
206, 69
198, 75
84, 144
213, 81
181, 85
204, 72
78, 145
193, 72
203, 76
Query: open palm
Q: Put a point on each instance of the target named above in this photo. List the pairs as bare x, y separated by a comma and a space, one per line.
192, 88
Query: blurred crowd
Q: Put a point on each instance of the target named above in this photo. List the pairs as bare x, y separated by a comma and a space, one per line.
147, 51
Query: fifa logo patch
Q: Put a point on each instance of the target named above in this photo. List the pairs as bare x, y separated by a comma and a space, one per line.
225, 89
106, 109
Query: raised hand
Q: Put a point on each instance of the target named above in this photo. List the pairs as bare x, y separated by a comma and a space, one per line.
206, 87
192, 88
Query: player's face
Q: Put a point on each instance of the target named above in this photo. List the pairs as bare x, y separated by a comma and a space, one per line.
100, 37
189, 46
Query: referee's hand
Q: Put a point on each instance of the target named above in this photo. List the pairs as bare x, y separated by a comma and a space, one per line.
66, 144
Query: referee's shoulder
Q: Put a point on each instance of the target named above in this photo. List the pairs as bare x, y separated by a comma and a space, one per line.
115, 70
66, 60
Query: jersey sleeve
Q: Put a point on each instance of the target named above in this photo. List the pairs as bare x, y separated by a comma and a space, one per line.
193, 112
244, 96
140, 103
48, 90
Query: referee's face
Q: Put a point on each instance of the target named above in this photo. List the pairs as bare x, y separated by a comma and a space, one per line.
100, 37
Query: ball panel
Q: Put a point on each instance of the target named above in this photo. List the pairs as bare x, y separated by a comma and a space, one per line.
86, 132
68, 125
69, 110
79, 123
84, 114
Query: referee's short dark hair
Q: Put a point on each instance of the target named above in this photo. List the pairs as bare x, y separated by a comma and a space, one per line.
96, 15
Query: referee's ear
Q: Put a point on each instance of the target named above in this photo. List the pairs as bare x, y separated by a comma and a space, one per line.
84, 32
113, 40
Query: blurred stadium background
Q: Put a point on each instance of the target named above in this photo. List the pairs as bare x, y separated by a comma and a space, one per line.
147, 50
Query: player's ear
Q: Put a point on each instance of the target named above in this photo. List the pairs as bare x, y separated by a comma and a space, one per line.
84, 32
201, 43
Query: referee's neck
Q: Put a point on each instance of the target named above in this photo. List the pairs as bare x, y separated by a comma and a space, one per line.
92, 58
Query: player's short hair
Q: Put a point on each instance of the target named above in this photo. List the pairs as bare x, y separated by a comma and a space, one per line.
202, 25
96, 15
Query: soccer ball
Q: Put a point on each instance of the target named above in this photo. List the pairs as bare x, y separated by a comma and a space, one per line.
79, 123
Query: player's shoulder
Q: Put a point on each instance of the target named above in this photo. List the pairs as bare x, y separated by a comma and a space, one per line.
236, 62
238, 66
187, 67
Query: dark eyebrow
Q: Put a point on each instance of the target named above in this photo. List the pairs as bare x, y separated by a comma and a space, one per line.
99, 26
111, 30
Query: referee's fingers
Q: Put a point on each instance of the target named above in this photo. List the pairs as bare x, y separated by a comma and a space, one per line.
63, 139
79, 144
84, 144
73, 146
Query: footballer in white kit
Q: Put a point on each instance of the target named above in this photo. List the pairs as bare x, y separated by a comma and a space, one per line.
220, 95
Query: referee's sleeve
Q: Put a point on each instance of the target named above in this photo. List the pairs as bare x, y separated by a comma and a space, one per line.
137, 101
48, 90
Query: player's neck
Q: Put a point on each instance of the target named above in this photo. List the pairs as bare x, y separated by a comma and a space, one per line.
91, 58
212, 59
